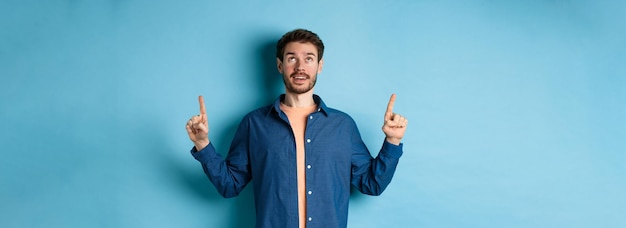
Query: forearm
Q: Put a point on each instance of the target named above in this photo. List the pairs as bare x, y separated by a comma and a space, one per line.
385, 164
372, 175
220, 172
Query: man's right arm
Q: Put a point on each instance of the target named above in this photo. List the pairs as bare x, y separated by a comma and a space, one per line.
229, 176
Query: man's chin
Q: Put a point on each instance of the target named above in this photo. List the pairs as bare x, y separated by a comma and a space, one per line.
299, 90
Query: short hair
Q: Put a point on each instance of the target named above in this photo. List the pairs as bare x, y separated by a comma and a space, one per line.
302, 36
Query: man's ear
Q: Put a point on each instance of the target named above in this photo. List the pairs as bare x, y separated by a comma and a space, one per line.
320, 66
279, 65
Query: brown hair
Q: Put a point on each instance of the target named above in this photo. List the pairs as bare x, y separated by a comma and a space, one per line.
302, 36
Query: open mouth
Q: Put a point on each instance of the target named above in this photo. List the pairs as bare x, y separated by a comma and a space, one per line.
299, 77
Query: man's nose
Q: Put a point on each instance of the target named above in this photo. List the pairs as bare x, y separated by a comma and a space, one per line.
299, 66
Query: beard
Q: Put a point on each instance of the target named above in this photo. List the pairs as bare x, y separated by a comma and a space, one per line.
299, 89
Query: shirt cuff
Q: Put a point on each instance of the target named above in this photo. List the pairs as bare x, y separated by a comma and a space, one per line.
391, 150
204, 154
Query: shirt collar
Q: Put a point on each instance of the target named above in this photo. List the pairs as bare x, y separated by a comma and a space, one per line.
321, 106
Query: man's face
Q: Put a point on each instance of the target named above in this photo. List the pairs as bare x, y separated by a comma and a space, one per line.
299, 67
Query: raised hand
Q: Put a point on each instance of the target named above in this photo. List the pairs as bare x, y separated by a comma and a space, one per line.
198, 127
395, 124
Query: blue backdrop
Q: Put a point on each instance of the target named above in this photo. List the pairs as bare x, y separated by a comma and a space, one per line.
516, 108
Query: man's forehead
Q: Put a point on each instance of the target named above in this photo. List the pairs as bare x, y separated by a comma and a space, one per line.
300, 48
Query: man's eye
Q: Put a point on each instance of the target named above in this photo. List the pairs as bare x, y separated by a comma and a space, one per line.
309, 59
291, 59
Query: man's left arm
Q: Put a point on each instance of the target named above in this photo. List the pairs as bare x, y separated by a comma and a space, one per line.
372, 175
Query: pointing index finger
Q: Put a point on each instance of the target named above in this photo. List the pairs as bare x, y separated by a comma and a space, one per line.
202, 109
389, 111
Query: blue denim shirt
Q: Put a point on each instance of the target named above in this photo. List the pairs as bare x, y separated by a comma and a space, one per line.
264, 150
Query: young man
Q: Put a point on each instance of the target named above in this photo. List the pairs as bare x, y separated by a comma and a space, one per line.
302, 155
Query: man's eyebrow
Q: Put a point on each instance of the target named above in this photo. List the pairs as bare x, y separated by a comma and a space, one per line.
308, 53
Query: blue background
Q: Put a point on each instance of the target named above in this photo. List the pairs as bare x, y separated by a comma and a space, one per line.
516, 108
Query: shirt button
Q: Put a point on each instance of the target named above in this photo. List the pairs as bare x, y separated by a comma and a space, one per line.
310, 117
310, 192
310, 219
308, 166
308, 140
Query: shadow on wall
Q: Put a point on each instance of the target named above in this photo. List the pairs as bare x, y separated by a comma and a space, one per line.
270, 81
269, 84
193, 179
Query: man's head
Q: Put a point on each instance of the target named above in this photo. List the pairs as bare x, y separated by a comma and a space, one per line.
299, 60
301, 36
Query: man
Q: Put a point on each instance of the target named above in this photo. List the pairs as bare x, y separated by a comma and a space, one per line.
302, 155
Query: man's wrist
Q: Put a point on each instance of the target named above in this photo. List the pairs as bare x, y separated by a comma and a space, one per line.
200, 145
394, 141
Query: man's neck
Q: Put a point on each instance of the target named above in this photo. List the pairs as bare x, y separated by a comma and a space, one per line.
299, 100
